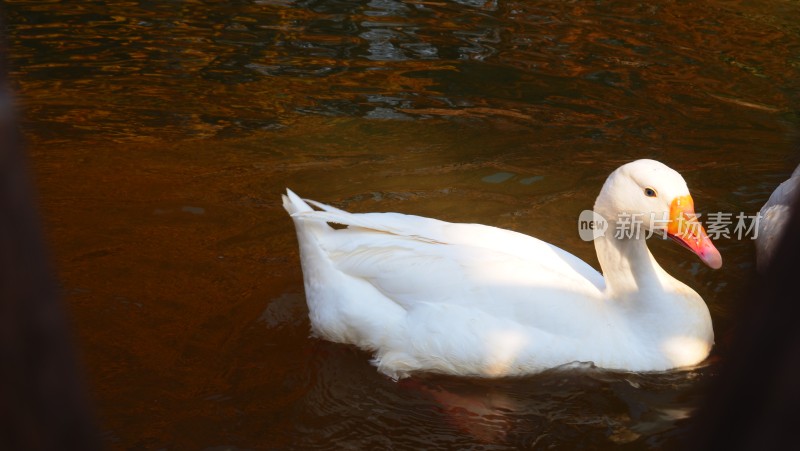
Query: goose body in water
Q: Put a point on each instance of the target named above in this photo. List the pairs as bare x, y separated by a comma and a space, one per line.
773, 218
469, 299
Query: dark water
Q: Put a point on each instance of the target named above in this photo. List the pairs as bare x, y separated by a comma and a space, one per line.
162, 133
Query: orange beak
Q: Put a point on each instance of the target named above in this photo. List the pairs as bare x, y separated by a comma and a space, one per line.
685, 229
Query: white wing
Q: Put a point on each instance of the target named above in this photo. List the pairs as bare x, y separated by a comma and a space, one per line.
413, 260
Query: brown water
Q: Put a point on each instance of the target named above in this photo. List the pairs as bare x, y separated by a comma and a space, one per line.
162, 134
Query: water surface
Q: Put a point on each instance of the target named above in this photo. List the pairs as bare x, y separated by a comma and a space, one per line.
162, 133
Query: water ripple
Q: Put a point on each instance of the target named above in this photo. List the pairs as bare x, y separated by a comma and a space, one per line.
609, 58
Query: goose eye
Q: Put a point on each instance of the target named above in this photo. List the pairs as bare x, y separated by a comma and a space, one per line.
649, 192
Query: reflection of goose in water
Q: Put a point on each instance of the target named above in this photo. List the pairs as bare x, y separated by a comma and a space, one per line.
483, 413
468, 299
774, 215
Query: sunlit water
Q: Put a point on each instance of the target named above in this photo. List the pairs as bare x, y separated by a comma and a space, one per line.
162, 134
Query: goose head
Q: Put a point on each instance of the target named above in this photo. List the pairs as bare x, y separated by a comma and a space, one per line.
655, 197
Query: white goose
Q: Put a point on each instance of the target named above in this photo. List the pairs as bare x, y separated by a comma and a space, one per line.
469, 299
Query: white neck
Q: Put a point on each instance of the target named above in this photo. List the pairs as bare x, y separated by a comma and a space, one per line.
630, 270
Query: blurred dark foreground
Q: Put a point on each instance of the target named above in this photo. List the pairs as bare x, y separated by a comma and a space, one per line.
43, 402
754, 402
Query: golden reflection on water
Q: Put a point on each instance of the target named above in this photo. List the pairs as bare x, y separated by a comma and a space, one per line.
162, 135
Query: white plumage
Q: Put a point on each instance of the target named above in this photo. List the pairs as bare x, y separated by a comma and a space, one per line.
469, 299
